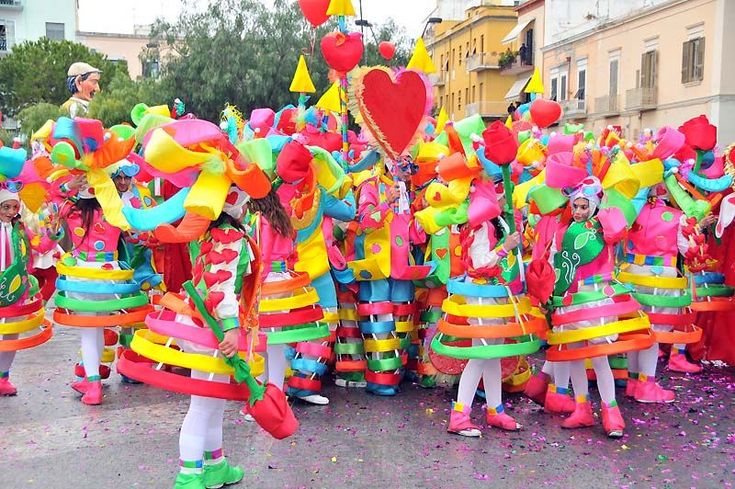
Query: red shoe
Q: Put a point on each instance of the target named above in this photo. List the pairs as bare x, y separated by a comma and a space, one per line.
556, 403
612, 421
80, 372
582, 416
630, 387
650, 392
111, 337
536, 388
81, 386
93, 396
679, 363
501, 420
7, 388
459, 422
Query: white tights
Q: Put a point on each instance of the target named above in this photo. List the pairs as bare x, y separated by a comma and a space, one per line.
93, 342
605, 380
275, 365
202, 427
559, 371
644, 361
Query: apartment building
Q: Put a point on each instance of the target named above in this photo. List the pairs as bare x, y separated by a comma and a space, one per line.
641, 63
29, 20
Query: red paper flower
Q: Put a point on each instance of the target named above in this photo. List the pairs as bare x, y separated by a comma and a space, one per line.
699, 133
501, 144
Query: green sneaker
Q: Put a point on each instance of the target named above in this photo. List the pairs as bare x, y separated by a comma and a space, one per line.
189, 481
428, 381
221, 474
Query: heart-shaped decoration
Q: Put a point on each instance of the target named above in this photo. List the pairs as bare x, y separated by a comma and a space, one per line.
441, 253
545, 112
392, 106
342, 51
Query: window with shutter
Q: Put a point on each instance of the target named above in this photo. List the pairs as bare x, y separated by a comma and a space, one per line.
698, 65
581, 82
553, 89
614, 77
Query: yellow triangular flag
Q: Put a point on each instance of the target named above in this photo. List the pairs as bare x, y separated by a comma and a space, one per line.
509, 122
301, 82
441, 120
535, 85
341, 7
420, 59
330, 100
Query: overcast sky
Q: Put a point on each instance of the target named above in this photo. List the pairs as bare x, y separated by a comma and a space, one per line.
120, 15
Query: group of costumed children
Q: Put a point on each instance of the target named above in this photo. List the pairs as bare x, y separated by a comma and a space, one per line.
453, 254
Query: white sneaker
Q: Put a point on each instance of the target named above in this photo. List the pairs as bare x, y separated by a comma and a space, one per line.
354, 383
340, 382
316, 399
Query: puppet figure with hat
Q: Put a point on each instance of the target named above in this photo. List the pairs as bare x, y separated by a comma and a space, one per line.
21, 307
94, 289
82, 81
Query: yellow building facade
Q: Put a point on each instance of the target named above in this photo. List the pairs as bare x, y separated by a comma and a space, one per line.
468, 56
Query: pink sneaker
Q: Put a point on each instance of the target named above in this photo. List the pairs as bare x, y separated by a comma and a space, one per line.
536, 388
679, 363
459, 421
556, 403
93, 396
501, 420
7, 388
650, 392
612, 421
630, 386
582, 416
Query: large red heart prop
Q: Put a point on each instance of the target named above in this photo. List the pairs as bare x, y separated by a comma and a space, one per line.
545, 112
342, 51
393, 109
315, 11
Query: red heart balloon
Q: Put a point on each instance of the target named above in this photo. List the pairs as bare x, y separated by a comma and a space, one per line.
315, 11
545, 112
342, 51
393, 109
387, 50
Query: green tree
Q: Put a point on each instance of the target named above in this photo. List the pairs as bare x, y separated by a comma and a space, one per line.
241, 52
35, 71
34, 116
113, 105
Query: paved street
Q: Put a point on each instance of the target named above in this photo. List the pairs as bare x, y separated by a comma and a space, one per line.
50, 440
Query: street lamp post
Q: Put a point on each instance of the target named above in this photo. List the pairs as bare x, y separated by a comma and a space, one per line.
431, 20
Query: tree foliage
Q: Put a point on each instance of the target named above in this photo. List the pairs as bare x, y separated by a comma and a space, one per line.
34, 116
112, 105
35, 71
241, 52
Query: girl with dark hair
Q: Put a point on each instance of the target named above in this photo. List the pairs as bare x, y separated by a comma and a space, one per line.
94, 289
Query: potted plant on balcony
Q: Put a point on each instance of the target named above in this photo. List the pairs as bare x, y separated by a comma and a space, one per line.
507, 58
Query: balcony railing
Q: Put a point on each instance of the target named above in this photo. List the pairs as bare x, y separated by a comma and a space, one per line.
482, 61
607, 104
3, 45
517, 64
11, 3
641, 98
487, 108
438, 79
574, 107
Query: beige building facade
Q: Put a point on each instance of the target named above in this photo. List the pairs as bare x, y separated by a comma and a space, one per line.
654, 66
141, 54
467, 53
525, 41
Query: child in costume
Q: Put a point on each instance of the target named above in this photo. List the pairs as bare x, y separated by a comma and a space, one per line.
289, 312
21, 307
582, 255
651, 267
